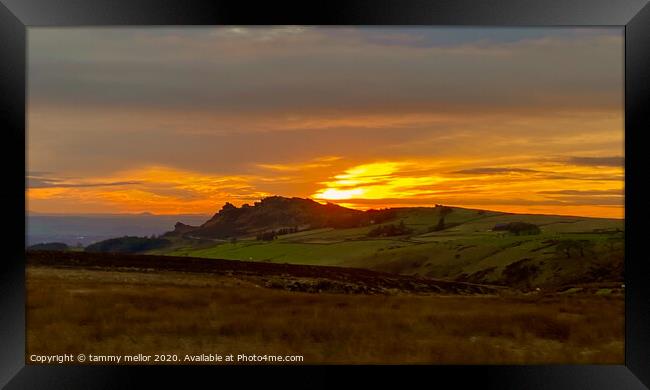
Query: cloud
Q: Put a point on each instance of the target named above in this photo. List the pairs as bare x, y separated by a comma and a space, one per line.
539, 174
494, 171
36, 180
614, 161
588, 201
37, 173
585, 176
619, 192
231, 98
234, 113
320, 70
472, 36
320, 162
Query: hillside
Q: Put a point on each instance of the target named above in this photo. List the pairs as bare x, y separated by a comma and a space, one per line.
273, 213
276, 276
469, 245
144, 305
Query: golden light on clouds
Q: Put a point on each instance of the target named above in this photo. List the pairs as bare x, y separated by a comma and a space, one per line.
544, 187
160, 190
181, 120
580, 186
379, 180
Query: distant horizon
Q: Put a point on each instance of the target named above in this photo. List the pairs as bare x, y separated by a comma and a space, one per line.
208, 215
176, 120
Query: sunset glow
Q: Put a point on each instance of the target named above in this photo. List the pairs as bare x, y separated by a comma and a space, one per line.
183, 120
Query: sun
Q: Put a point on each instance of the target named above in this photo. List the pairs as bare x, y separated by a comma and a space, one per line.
336, 194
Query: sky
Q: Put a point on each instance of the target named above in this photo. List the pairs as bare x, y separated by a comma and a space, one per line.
182, 120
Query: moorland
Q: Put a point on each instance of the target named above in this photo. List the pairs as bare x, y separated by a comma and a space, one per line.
292, 276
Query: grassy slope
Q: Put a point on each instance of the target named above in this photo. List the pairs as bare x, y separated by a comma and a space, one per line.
470, 248
107, 312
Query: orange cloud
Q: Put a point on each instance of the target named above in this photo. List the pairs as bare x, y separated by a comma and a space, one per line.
590, 186
161, 190
320, 162
534, 187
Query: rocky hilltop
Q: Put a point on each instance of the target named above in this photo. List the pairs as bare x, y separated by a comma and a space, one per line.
276, 213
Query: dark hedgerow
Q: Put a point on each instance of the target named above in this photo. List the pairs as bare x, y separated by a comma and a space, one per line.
49, 246
390, 230
518, 228
128, 244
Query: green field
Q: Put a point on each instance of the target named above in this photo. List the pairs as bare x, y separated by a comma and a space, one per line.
468, 249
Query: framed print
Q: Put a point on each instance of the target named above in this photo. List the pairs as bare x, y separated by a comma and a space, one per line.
454, 189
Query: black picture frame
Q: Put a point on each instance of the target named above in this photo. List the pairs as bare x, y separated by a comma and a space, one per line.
17, 15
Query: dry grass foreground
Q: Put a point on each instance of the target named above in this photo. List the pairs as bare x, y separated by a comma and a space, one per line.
109, 312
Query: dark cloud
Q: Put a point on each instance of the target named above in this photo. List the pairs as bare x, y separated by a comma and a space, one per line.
191, 97
238, 152
585, 177
455, 36
262, 70
494, 171
587, 200
538, 174
583, 193
37, 173
39, 182
613, 161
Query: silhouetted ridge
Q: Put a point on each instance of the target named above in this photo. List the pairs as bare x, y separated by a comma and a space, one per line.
275, 213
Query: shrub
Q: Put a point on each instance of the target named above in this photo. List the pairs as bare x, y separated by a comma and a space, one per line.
390, 230
128, 244
569, 247
273, 234
518, 228
49, 246
267, 236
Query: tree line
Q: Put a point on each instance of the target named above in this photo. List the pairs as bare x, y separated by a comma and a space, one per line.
273, 234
